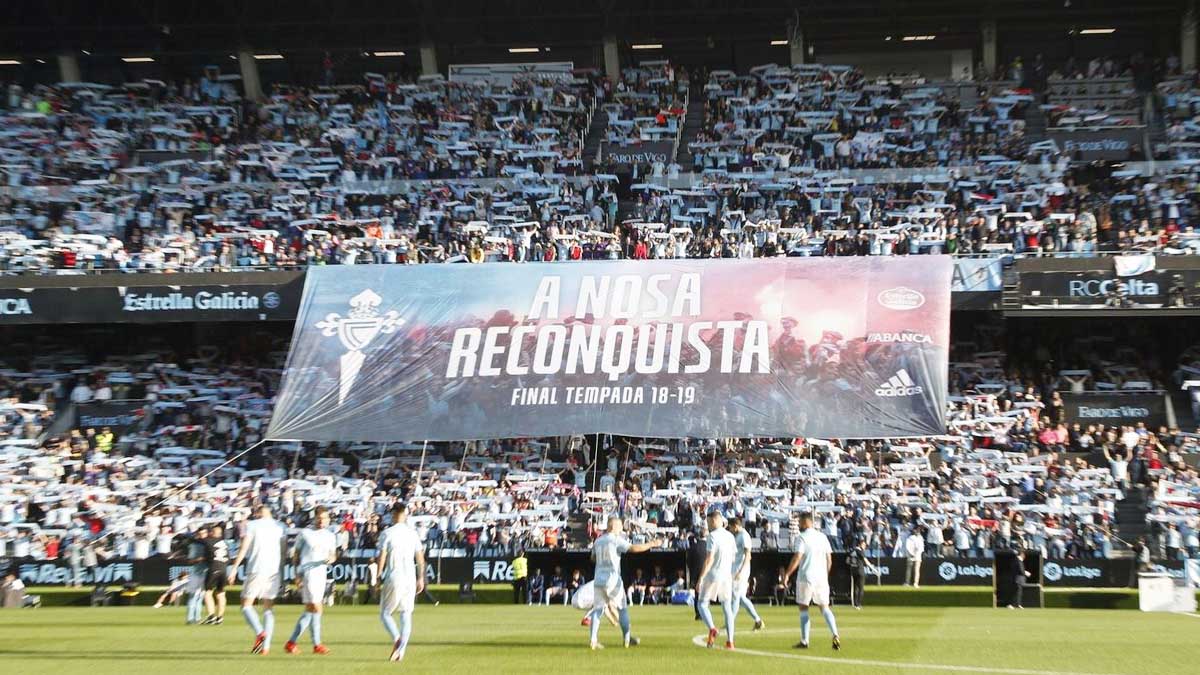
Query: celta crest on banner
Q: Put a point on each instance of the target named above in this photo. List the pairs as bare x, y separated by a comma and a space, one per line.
356, 332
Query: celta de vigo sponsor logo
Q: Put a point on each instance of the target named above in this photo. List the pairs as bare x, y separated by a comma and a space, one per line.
901, 298
13, 306
637, 157
51, 574
1098, 288
902, 337
1174, 573
900, 384
1101, 145
1053, 571
271, 300
176, 571
201, 300
950, 571
340, 571
1117, 412
491, 570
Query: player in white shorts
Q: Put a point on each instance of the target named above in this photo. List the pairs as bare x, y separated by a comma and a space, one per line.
812, 562
261, 548
585, 598
741, 572
609, 590
316, 550
716, 578
402, 568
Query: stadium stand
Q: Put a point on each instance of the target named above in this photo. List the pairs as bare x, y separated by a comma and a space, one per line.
155, 177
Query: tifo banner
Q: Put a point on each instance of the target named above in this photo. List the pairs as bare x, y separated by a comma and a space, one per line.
1117, 408
835, 348
976, 275
1089, 145
648, 152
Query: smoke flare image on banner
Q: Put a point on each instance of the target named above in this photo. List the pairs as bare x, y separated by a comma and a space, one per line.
847, 348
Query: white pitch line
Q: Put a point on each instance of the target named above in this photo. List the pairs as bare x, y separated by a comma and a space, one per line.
1191, 614
699, 641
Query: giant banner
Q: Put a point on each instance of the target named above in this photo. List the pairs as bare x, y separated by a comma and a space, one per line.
827, 347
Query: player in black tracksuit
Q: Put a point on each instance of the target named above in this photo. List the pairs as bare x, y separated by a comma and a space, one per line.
695, 559
216, 559
856, 560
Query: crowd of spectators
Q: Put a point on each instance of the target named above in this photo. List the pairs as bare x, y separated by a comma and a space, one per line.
1014, 471
295, 182
156, 177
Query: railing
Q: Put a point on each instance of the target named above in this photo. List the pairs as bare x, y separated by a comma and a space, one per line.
175, 268
684, 180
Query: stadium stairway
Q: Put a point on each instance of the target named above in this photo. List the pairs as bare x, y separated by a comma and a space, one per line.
1182, 407
595, 134
1035, 124
1010, 296
1131, 515
577, 534
692, 124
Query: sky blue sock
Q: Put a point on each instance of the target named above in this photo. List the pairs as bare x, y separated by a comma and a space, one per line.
268, 626
623, 617
729, 609
706, 616
405, 628
745, 602
301, 624
252, 619
597, 615
827, 612
195, 606
805, 625
390, 624
316, 628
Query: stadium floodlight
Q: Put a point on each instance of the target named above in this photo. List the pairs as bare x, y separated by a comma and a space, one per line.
778, 43
523, 50
9, 62
388, 53
137, 59
268, 57
654, 45
918, 38
1097, 31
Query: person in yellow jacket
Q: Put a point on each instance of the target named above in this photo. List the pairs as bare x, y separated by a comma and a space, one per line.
104, 440
520, 570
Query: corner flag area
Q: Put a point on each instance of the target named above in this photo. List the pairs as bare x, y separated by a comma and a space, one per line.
509, 639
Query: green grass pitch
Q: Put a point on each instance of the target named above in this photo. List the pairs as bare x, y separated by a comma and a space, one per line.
484, 639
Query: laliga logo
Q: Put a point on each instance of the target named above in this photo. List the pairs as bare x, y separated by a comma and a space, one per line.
948, 571
356, 331
1052, 571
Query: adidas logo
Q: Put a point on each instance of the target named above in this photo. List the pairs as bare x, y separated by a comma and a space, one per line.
899, 384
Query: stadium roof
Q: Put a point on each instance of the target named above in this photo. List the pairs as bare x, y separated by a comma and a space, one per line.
197, 26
